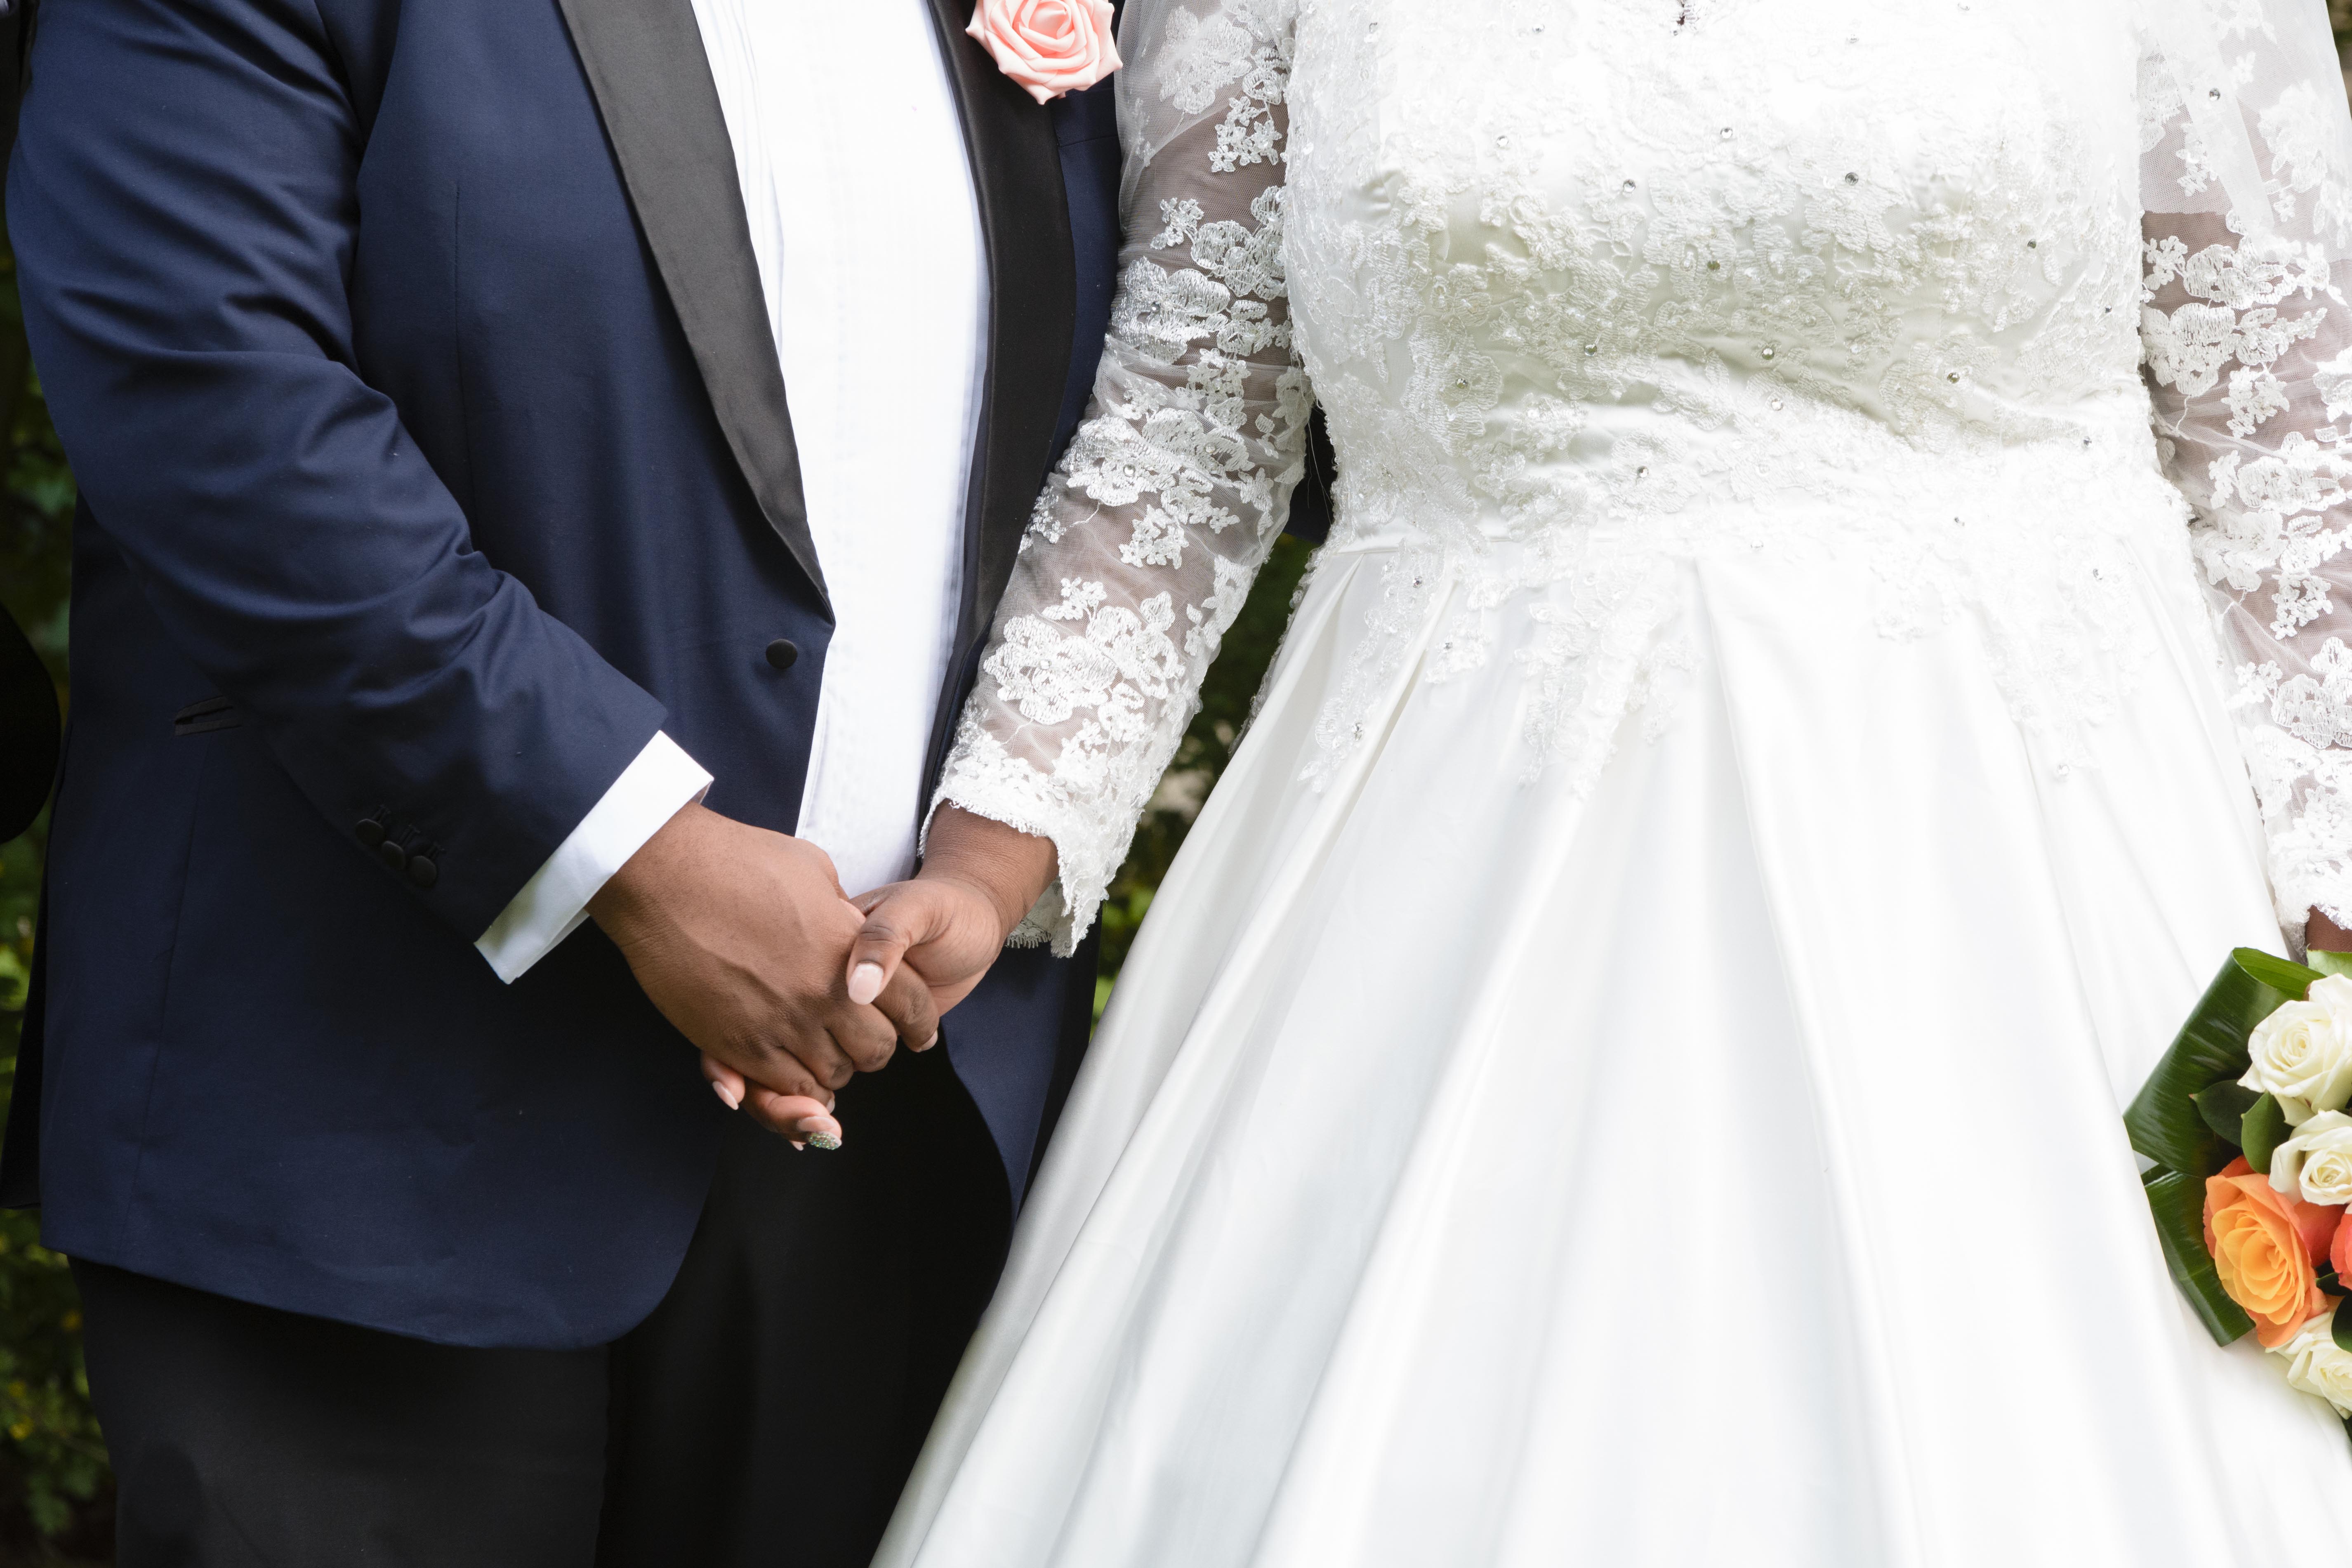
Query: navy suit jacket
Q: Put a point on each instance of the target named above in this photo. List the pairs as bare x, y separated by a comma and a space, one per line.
434, 454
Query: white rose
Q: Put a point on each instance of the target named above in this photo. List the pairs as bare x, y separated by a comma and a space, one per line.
2318, 1159
2302, 1052
2315, 1365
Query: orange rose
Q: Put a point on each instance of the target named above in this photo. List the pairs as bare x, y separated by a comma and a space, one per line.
2264, 1246
2339, 1252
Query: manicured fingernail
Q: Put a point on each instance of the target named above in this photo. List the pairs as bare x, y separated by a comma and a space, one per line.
731, 1098
927, 1044
865, 983
822, 1131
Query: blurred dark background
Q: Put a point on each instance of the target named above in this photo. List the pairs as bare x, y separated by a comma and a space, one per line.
55, 1491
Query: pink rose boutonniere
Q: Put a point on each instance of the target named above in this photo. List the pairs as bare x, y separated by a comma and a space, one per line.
1048, 47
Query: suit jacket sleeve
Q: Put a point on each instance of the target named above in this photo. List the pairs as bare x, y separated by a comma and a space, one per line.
183, 202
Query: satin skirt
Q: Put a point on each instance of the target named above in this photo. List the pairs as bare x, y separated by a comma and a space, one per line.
1720, 1163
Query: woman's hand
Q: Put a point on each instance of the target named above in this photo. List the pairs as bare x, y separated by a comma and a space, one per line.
798, 1117
944, 926
948, 925
2325, 935
944, 932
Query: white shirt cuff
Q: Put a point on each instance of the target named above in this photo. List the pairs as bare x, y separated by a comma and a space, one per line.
552, 904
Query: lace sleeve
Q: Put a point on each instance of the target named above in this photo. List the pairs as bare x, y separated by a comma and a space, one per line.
1143, 546
2247, 145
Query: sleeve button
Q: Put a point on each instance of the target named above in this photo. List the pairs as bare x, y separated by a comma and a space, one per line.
423, 871
783, 653
370, 831
392, 854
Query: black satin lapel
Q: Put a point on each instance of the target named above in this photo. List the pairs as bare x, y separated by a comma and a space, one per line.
645, 63
1025, 220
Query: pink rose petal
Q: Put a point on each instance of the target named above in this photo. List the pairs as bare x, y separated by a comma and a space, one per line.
1048, 47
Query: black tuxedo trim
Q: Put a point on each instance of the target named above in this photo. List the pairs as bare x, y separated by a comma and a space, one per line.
1024, 219
644, 62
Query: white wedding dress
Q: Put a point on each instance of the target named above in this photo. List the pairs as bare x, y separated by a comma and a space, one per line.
1627, 1069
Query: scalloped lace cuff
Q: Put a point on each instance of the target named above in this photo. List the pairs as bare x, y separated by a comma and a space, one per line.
986, 779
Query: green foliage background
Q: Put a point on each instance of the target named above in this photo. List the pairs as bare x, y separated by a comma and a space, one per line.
55, 1490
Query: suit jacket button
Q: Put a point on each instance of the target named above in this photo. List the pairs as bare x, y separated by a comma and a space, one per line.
370, 831
392, 854
422, 871
782, 653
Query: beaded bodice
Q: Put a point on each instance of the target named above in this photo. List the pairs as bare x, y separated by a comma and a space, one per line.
1944, 297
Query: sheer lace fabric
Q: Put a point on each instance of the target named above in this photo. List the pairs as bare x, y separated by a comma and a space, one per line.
1592, 292
1145, 542
2249, 353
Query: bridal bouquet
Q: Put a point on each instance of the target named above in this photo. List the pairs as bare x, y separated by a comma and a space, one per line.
2246, 1119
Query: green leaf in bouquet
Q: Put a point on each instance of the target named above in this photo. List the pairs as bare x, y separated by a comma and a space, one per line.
2224, 1106
2341, 1324
2165, 1122
2330, 963
2264, 1130
2291, 980
2177, 1201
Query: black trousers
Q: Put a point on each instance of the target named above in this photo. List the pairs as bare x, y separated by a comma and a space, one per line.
766, 1414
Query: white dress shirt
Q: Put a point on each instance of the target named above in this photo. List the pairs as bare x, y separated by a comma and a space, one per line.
855, 182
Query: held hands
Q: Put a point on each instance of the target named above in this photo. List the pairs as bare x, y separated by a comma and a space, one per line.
947, 925
936, 934
740, 936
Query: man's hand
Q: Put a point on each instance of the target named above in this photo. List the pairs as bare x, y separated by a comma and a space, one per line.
740, 937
